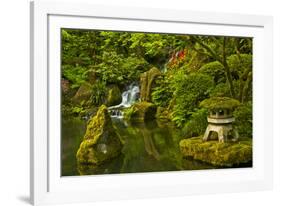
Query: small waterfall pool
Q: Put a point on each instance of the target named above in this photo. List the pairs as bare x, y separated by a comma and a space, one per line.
129, 96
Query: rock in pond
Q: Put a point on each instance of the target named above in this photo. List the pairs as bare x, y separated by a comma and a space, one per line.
217, 153
141, 111
114, 96
101, 142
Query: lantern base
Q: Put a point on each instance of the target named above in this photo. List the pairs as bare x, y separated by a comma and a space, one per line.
223, 131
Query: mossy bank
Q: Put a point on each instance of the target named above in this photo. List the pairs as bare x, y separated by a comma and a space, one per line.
219, 154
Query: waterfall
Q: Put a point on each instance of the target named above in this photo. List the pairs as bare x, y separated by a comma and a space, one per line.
129, 96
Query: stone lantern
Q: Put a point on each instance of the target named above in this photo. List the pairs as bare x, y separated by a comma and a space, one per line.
220, 118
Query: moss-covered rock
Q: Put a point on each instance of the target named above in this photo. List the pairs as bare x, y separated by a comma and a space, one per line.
83, 93
216, 153
141, 111
100, 142
147, 80
114, 96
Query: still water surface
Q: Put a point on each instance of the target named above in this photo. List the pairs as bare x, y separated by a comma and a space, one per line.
148, 147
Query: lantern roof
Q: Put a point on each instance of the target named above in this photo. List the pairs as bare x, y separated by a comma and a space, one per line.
215, 103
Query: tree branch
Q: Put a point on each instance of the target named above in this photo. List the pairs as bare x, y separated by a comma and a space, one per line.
247, 87
205, 46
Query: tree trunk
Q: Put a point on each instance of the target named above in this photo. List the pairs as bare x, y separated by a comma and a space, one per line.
247, 87
227, 70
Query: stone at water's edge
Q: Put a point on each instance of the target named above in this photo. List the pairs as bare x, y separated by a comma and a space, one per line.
215, 153
147, 80
100, 142
141, 111
114, 96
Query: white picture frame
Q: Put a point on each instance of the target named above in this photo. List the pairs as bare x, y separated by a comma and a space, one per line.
47, 186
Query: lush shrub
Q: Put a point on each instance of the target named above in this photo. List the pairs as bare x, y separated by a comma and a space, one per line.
162, 94
75, 74
243, 119
98, 93
118, 69
189, 91
220, 90
240, 63
214, 69
241, 69
197, 124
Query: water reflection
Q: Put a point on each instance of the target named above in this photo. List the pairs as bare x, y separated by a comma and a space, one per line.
148, 147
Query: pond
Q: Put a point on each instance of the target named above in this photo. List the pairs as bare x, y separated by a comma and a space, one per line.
152, 146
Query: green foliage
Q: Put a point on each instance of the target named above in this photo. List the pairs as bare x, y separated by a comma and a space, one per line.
197, 123
77, 110
241, 69
162, 94
220, 90
214, 69
77, 75
243, 119
240, 63
189, 91
115, 68
73, 111
150, 44
98, 93
79, 47
154, 48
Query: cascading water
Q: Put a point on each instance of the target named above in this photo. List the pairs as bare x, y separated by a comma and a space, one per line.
129, 96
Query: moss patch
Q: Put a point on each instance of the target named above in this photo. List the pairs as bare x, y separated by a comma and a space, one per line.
216, 153
220, 103
100, 142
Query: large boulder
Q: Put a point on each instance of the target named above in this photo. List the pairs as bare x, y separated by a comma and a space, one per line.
83, 93
147, 81
101, 143
141, 111
114, 96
